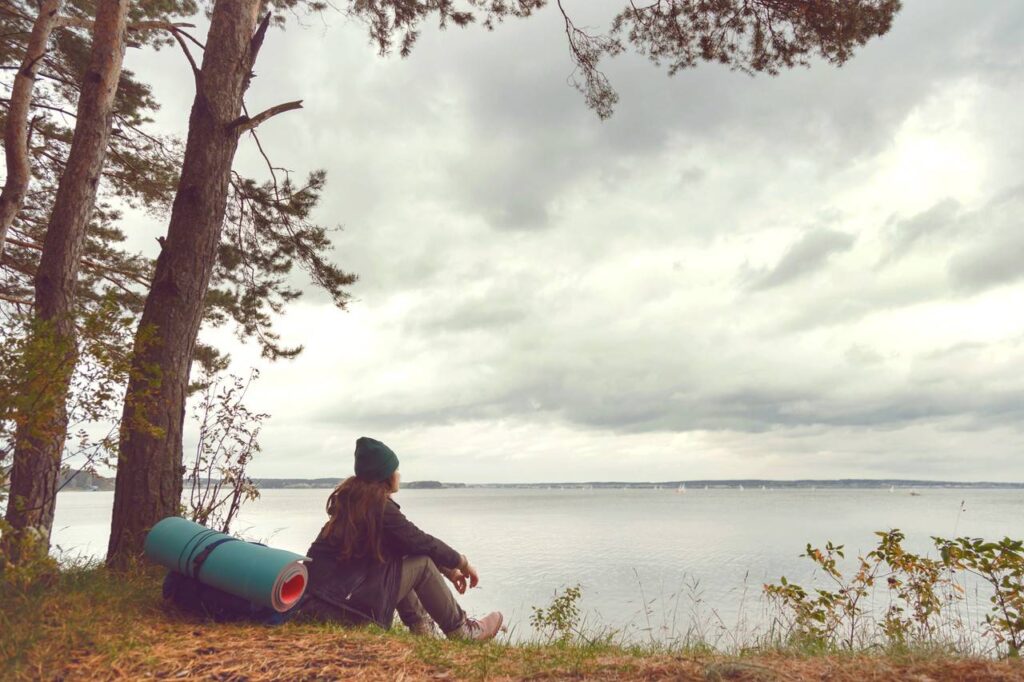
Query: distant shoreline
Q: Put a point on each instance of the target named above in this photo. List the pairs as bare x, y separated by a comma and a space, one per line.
86, 482
696, 484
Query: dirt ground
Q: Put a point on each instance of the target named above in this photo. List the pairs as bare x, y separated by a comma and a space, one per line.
258, 654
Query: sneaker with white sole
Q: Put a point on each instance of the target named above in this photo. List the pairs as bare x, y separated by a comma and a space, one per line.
480, 629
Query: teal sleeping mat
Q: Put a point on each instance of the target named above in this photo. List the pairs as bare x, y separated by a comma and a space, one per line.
263, 575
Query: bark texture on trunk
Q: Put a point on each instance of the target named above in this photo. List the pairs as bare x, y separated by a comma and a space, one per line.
149, 468
19, 169
41, 431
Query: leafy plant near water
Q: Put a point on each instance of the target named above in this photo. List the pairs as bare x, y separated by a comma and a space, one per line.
98, 366
560, 620
820, 619
1001, 565
920, 591
228, 440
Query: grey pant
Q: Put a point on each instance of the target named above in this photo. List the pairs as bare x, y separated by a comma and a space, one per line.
422, 595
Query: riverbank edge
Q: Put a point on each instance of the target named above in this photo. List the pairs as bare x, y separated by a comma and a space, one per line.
85, 623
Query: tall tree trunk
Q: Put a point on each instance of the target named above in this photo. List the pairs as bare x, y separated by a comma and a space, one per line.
41, 429
19, 169
149, 468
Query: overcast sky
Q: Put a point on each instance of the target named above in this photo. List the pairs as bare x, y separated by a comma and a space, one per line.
818, 274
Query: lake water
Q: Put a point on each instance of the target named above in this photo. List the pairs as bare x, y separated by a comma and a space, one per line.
649, 562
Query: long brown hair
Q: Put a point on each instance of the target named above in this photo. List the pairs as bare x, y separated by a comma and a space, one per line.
356, 508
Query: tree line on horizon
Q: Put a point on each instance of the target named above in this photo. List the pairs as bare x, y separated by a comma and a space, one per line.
95, 337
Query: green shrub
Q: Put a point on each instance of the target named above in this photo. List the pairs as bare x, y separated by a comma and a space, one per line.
1001, 565
921, 592
560, 621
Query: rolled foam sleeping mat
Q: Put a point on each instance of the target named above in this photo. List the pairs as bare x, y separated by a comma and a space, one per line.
263, 575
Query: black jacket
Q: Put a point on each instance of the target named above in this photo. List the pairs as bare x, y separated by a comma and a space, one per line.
366, 589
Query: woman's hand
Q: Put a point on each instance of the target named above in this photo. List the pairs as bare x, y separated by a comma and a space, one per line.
468, 571
456, 577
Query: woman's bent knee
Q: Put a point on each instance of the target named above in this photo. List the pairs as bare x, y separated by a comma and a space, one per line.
416, 569
417, 563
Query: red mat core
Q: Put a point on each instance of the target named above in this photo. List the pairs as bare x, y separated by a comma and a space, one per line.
292, 589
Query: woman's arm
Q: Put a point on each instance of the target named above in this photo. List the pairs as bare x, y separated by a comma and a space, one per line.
402, 536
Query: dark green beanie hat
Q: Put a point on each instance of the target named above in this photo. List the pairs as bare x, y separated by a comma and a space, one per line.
374, 460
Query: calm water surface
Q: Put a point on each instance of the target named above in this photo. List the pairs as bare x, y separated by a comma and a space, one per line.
648, 561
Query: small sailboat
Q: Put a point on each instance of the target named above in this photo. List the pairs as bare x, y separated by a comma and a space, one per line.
741, 486
681, 488
892, 488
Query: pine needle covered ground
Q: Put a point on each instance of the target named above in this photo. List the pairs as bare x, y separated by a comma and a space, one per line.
84, 624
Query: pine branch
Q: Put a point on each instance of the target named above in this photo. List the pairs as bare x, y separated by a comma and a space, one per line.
77, 22
16, 301
188, 55
93, 265
243, 123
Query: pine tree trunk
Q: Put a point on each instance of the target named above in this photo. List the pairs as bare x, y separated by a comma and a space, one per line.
19, 169
42, 429
149, 468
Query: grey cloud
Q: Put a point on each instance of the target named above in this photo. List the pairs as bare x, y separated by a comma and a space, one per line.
806, 256
495, 99
616, 377
524, 105
938, 221
859, 354
751, 409
509, 188
517, 254
995, 254
974, 250
844, 114
495, 309
834, 309
527, 136
757, 408
995, 263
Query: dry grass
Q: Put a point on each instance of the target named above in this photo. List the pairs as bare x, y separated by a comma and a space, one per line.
293, 653
86, 625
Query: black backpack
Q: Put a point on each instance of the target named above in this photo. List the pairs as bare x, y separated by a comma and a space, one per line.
193, 597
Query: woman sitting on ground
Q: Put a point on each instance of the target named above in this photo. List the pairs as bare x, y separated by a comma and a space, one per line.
369, 559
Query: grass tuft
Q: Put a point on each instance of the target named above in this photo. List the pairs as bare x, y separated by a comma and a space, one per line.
86, 623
